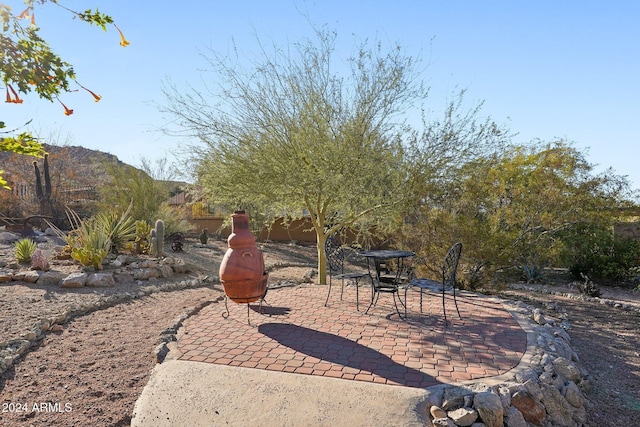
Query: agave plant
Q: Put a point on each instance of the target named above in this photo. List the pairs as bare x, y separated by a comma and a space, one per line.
25, 249
92, 239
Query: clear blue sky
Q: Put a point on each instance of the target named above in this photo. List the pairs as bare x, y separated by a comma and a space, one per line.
548, 68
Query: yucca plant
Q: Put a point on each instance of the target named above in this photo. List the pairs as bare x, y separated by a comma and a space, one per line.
89, 243
25, 249
93, 238
120, 229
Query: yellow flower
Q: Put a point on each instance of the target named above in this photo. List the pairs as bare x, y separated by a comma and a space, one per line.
123, 41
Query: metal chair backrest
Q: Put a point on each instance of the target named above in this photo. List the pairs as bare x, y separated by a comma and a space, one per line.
335, 254
450, 266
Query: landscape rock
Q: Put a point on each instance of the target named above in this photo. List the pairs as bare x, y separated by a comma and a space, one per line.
526, 374
489, 407
538, 317
453, 398
567, 369
438, 412
514, 418
101, 280
6, 276
74, 280
530, 408
463, 417
443, 422
6, 237
557, 408
51, 278
572, 394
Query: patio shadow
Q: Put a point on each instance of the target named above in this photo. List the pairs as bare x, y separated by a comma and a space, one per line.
347, 353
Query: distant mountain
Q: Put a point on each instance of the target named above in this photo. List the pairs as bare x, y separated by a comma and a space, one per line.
70, 166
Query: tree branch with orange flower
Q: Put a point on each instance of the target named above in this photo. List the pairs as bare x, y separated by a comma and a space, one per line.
28, 64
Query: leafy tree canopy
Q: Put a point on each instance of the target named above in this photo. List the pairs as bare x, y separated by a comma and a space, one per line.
292, 134
516, 207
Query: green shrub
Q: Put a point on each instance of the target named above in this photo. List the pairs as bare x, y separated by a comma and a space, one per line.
175, 220
597, 252
25, 249
530, 270
142, 241
588, 288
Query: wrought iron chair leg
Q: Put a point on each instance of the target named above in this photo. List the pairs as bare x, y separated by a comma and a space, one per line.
395, 303
444, 309
356, 280
328, 293
405, 302
455, 300
374, 300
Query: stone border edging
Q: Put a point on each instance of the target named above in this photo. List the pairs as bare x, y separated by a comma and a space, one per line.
546, 290
544, 389
13, 349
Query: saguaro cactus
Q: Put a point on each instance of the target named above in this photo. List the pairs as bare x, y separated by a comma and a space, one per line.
43, 195
157, 240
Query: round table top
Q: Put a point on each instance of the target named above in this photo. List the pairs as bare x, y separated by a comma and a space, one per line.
387, 254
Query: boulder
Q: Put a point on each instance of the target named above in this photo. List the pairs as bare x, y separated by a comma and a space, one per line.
532, 411
489, 407
101, 280
51, 278
463, 417
74, 280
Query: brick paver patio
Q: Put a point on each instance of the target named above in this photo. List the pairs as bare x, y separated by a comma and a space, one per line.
299, 334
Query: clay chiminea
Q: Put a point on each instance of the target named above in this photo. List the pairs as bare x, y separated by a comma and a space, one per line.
242, 270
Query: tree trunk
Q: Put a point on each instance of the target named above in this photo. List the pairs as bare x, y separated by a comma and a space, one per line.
322, 259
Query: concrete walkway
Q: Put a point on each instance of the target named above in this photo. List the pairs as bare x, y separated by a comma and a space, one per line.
301, 363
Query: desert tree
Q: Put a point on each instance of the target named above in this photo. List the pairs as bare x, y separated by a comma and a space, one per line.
145, 188
300, 131
515, 207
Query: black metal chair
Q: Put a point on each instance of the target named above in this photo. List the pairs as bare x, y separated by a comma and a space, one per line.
448, 283
336, 255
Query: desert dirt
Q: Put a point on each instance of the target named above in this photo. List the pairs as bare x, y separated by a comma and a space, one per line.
91, 369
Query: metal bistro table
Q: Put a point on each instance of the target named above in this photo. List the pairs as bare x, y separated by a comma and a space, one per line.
385, 280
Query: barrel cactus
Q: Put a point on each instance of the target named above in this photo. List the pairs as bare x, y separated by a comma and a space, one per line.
204, 236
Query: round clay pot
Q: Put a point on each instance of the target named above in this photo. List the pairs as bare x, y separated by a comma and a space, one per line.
242, 269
